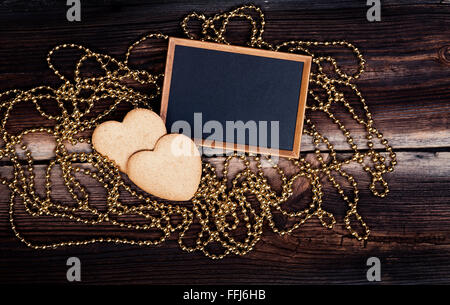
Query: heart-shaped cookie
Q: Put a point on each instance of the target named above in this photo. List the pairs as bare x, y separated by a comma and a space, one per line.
171, 171
140, 130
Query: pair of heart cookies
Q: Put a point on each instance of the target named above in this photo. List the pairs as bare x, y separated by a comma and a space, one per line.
166, 165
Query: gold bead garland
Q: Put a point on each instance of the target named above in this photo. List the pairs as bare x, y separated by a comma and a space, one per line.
218, 198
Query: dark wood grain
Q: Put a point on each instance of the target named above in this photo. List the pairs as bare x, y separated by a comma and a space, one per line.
405, 84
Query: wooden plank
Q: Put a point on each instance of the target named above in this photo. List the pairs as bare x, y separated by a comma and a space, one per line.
42, 145
403, 225
405, 84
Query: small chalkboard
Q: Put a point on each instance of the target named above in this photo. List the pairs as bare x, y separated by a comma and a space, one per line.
209, 86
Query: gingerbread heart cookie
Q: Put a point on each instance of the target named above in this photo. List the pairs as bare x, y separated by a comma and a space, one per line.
140, 130
171, 171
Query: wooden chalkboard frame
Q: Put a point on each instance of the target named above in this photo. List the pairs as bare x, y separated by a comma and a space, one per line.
295, 152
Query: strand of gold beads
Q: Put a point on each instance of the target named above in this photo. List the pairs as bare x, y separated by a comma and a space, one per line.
218, 199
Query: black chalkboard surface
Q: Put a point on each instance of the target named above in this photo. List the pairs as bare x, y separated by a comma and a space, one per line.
235, 97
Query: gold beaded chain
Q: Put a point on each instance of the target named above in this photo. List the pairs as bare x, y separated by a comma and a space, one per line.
222, 205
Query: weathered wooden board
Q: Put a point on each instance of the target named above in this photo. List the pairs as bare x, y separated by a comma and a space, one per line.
403, 226
405, 84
